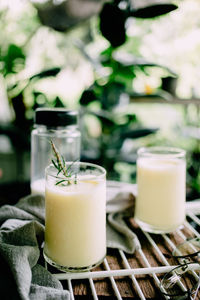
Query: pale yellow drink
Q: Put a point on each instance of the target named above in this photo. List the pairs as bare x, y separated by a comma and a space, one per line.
160, 204
75, 223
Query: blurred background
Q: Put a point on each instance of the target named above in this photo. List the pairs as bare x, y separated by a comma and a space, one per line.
131, 68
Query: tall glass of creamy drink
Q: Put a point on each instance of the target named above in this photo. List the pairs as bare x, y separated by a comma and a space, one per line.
75, 222
161, 182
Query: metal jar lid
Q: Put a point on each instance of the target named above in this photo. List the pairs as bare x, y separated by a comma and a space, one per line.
54, 117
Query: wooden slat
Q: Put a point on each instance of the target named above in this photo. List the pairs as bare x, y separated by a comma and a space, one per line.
125, 285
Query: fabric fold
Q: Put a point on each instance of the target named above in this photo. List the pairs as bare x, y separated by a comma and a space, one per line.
120, 206
21, 236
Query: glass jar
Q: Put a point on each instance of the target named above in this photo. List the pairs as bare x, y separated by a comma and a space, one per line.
61, 126
161, 182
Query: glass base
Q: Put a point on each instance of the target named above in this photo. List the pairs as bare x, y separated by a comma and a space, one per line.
153, 229
71, 269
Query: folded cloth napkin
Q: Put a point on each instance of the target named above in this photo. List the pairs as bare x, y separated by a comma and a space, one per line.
22, 233
21, 236
120, 205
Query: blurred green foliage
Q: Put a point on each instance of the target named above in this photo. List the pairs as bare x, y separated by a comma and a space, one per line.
107, 122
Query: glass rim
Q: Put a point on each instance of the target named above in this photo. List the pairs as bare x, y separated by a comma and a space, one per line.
195, 253
161, 151
99, 176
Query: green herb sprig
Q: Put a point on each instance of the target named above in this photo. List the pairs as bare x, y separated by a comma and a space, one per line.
60, 164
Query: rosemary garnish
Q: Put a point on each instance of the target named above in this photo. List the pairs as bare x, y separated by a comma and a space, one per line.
60, 164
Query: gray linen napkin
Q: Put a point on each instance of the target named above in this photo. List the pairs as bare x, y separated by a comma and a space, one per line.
120, 205
22, 233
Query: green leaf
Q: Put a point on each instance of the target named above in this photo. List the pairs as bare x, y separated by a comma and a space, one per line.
14, 59
57, 167
137, 133
152, 11
112, 24
46, 73
104, 116
63, 160
53, 162
70, 166
61, 181
87, 97
60, 165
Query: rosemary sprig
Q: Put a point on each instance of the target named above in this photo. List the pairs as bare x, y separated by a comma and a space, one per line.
60, 164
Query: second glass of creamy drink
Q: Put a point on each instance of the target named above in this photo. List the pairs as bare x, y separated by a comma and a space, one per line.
75, 223
161, 181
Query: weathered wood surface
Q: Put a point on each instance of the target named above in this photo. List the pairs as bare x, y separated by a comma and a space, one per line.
103, 286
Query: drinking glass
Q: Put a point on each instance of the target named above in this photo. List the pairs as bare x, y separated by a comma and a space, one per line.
161, 177
183, 281
75, 222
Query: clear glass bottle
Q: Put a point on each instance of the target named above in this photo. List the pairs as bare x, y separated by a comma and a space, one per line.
61, 126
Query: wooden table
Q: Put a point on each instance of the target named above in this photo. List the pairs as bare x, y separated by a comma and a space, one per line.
155, 252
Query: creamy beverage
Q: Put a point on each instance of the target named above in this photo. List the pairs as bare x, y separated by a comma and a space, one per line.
160, 205
75, 223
